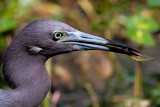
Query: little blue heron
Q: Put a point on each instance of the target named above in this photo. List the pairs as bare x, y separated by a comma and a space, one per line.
24, 59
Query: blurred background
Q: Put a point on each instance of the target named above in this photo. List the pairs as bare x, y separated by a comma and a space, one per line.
95, 78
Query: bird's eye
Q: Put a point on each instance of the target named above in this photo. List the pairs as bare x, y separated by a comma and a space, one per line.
57, 35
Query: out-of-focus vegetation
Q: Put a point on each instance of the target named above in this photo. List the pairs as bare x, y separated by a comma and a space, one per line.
96, 78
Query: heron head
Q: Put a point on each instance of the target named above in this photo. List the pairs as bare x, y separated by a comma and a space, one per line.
48, 38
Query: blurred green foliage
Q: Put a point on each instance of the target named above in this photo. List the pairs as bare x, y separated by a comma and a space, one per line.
154, 3
139, 29
155, 93
10, 12
7, 24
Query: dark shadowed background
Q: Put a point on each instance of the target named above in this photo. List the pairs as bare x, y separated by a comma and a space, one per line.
95, 78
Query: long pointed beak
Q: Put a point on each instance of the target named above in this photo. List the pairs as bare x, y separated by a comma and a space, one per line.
84, 41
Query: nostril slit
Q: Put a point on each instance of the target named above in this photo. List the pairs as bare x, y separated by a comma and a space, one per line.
86, 37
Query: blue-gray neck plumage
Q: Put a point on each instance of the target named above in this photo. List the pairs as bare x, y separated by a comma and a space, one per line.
27, 75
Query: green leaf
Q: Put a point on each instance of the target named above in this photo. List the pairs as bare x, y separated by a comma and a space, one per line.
139, 30
154, 2
7, 24
138, 22
141, 37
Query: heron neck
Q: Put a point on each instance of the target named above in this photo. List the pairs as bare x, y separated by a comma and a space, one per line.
27, 75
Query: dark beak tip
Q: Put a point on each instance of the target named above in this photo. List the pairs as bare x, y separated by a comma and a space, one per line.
136, 50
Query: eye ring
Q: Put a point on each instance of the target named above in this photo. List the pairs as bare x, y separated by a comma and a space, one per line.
57, 35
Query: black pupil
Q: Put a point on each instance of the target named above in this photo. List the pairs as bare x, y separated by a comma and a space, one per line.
58, 34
